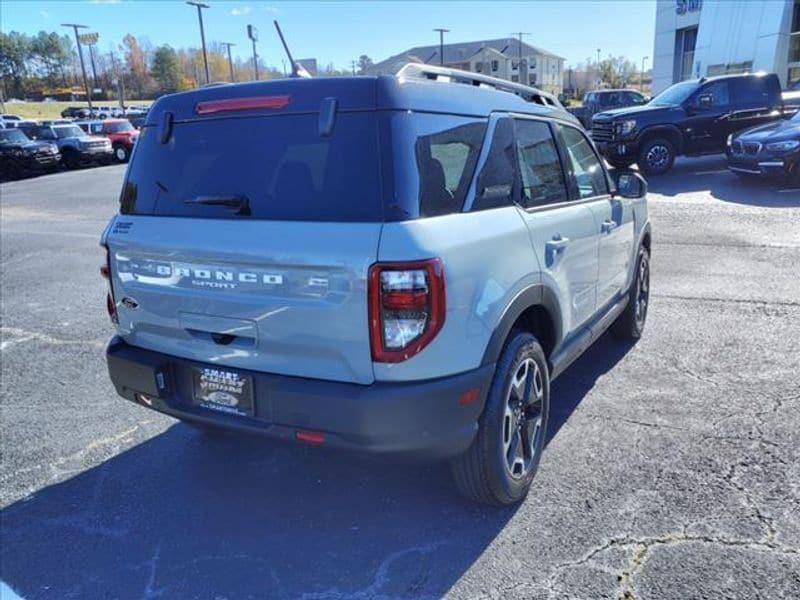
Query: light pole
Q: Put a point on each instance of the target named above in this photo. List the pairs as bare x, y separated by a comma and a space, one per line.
252, 33
598, 56
441, 31
75, 28
641, 80
200, 6
230, 60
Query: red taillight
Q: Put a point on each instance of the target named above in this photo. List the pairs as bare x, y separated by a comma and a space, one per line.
214, 106
406, 307
310, 437
105, 271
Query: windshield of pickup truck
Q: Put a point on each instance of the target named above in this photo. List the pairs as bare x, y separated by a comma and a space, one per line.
675, 94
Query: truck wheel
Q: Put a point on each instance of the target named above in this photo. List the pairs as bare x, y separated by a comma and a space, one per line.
656, 156
499, 466
120, 153
71, 159
630, 324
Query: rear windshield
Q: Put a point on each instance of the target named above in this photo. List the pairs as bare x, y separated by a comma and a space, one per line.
280, 166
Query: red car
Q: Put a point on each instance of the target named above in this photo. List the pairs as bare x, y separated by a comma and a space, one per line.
122, 134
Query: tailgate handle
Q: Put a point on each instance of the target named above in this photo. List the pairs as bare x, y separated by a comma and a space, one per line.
220, 330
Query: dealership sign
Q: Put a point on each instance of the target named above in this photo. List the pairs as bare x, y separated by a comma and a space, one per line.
684, 6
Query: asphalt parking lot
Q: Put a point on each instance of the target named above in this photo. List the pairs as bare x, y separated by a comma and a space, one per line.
672, 468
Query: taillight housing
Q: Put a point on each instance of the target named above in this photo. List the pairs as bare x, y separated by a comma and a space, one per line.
105, 271
406, 307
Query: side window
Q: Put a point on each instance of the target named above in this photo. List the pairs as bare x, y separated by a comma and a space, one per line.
539, 165
718, 90
590, 176
447, 151
97, 127
751, 92
495, 186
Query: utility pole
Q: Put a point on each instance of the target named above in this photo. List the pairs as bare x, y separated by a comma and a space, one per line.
120, 82
353, 65
75, 28
441, 31
598, 56
641, 80
200, 6
91, 60
252, 33
519, 35
230, 60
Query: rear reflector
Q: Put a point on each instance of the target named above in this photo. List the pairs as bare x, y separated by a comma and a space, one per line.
233, 104
310, 437
469, 396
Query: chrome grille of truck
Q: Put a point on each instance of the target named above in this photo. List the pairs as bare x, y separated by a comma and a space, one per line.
602, 131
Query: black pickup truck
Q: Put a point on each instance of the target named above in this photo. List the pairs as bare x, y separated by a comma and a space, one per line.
597, 101
690, 118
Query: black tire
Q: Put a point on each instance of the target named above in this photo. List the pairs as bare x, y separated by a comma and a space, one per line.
483, 473
656, 156
630, 324
71, 159
121, 153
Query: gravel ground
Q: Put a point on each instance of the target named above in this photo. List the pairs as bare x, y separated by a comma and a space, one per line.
672, 468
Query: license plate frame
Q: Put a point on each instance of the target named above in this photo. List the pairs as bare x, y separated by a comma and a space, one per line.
223, 390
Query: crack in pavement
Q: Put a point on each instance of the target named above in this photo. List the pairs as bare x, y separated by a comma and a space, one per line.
642, 546
22, 335
788, 303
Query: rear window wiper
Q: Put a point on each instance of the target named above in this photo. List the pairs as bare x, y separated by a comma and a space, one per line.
240, 203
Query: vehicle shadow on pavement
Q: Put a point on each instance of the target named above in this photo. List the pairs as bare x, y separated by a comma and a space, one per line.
569, 390
710, 174
187, 515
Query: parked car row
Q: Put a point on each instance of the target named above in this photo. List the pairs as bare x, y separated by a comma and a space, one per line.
25, 146
103, 112
745, 116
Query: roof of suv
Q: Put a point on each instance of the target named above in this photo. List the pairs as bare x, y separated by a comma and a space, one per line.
385, 92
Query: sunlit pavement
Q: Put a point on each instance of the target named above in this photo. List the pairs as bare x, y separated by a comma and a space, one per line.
672, 470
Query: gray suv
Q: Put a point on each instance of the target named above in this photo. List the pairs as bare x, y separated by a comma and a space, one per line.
388, 264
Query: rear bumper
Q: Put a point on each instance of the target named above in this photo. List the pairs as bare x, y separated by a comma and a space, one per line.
425, 418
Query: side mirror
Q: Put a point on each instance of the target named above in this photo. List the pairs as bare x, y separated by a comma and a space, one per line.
630, 185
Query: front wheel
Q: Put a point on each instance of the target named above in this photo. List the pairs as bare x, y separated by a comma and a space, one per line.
630, 324
121, 153
656, 156
499, 466
71, 159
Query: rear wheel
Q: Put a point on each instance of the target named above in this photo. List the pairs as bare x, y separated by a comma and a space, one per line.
630, 324
499, 466
656, 156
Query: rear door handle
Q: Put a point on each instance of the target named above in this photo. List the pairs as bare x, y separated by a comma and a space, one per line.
608, 226
557, 244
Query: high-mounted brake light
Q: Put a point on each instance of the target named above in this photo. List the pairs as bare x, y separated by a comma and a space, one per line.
105, 271
406, 307
232, 104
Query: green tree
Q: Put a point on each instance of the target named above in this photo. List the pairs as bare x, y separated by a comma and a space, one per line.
14, 57
364, 64
166, 69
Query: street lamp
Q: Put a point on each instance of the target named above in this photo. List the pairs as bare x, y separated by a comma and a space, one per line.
252, 33
80, 55
200, 6
230, 60
641, 80
441, 43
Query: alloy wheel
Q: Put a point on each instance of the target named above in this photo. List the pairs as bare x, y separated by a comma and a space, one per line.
642, 291
658, 157
522, 420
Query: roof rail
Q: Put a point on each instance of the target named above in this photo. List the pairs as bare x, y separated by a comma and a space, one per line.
446, 74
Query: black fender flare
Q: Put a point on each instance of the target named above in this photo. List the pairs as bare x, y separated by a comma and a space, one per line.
670, 130
535, 295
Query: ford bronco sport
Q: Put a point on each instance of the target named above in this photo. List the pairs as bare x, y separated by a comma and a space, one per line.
391, 264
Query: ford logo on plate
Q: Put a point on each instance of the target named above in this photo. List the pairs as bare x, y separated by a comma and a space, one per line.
223, 398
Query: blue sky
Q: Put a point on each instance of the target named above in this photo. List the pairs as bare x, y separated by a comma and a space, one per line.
338, 32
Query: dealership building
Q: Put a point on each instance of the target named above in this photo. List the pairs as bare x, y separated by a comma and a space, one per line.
700, 38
